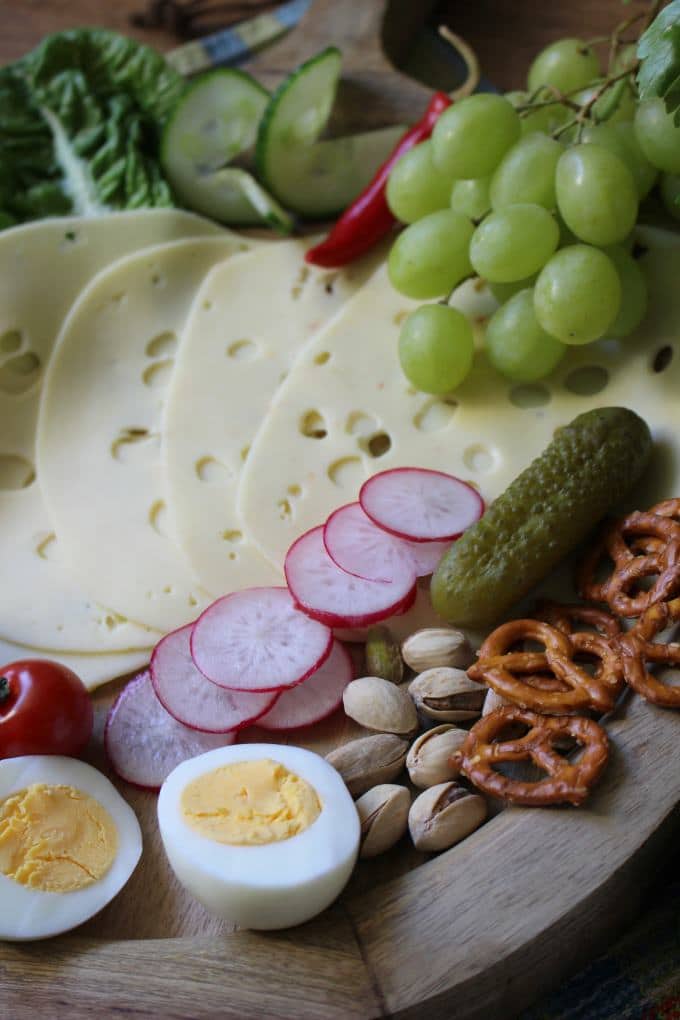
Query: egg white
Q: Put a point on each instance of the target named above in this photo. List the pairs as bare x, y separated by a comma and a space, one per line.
275, 885
33, 914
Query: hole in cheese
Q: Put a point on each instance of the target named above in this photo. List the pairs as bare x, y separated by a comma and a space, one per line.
528, 395
587, 380
15, 472
163, 345
10, 341
313, 425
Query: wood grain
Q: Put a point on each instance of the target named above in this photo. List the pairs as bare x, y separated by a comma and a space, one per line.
478, 931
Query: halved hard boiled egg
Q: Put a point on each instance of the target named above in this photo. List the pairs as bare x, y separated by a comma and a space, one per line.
68, 845
263, 835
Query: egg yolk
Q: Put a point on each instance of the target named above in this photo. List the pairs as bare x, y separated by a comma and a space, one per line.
55, 838
250, 803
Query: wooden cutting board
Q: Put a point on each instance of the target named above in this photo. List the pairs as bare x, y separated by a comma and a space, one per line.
480, 930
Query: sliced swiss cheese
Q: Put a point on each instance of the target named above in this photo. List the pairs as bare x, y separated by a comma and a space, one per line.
93, 670
99, 433
250, 318
43, 268
370, 419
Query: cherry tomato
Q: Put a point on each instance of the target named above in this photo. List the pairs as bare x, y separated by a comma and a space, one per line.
44, 709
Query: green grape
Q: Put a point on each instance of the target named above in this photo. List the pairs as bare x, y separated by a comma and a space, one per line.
473, 135
472, 197
596, 194
436, 347
625, 59
431, 256
518, 347
621, 139
513, 243
415, 187
527, 173
578, 294
658, 135
504, 291
634, 292
545, 119
670, 194
567, 65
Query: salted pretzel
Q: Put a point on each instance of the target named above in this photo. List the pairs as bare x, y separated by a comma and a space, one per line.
642, 545
566, 617
502, 669
566, 781
639, 648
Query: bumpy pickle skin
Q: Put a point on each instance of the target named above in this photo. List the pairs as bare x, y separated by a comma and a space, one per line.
546, 512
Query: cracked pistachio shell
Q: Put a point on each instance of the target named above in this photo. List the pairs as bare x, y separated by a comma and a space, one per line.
444, 815
383, 813
437, 646
379, 705
447, 694
369, 761
429, 758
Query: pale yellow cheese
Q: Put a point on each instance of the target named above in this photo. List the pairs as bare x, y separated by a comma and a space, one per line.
43, 267
249, 803
349, 378
55, 838
250, 318
99, 432
92, 669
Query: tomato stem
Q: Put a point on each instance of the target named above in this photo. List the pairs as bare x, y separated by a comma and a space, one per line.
5, 690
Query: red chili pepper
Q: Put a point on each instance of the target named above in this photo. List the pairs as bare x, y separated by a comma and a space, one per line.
368, 218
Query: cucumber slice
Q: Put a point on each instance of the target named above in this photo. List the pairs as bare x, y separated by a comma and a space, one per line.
316, 179
216, 120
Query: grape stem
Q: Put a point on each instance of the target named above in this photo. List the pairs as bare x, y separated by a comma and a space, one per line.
464, 50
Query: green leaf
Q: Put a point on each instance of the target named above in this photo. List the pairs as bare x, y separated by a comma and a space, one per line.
659, 53
80, 123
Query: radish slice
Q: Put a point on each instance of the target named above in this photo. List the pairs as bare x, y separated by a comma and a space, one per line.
421, 505
258, 640
316, 698
144, 743
194, 700
329, 594
360, 547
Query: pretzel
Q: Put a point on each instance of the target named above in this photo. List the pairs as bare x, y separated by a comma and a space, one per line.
497, 668
638, 647
564, 617
566, 781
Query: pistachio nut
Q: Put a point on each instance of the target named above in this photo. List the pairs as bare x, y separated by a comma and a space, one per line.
383, 657
379, 705
492, 701
447, 694
368, 761
437, 646
383, 813
443, 815
429, 758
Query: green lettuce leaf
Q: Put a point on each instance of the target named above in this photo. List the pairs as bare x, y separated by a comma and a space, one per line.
80, 123
659, 53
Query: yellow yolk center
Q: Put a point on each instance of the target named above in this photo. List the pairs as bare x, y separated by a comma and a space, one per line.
250, 803
55, 838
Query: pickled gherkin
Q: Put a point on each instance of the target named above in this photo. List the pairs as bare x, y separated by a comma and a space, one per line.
586, 470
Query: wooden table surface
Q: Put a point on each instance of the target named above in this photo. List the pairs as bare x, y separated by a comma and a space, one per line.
487, 24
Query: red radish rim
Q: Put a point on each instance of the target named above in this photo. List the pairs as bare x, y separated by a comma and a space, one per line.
135, 681
335, 619
424, 471
192, 726
353, 573
326, 715
278, 689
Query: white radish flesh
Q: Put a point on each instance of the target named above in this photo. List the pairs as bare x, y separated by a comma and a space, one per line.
319, 696
144, 743
194, 700
421, 505
337, 598
258, 640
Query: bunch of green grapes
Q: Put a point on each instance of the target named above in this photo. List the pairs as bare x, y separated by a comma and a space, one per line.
537, 193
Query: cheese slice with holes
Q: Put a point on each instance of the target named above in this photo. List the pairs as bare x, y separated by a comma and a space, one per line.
366, 417
99, 432
93, 670
249, 320
43, 268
